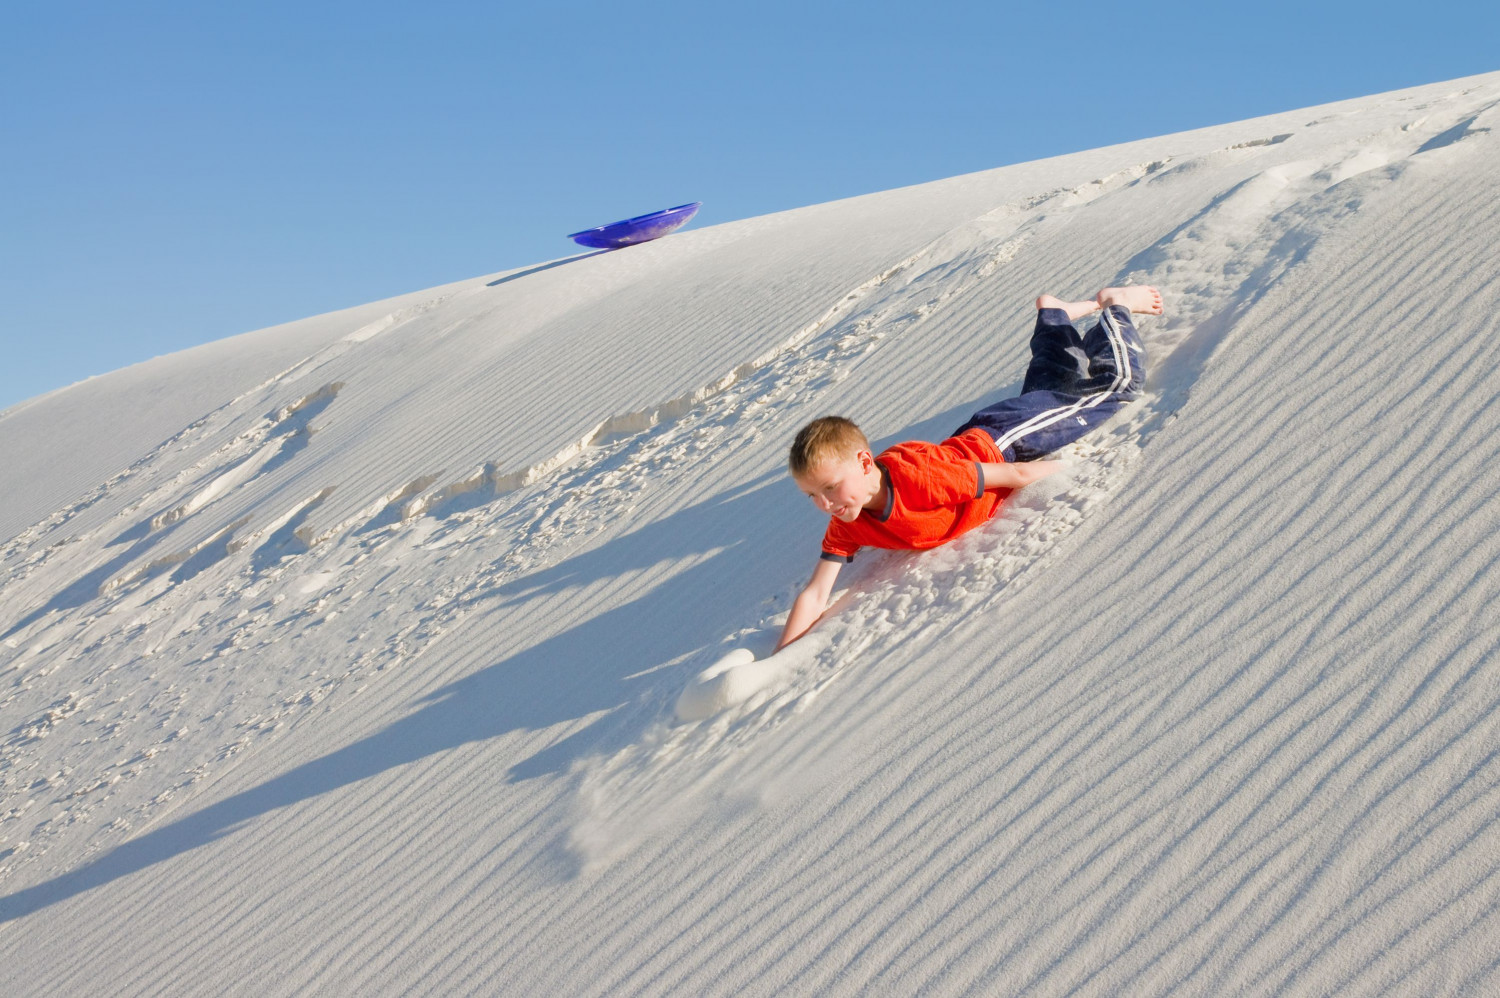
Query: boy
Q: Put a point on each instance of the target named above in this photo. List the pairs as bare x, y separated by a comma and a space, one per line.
919, 495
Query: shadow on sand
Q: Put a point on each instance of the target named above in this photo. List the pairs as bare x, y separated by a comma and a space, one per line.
581, 671
592, 667
541, 267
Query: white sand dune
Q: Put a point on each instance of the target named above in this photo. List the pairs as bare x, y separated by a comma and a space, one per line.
342, 657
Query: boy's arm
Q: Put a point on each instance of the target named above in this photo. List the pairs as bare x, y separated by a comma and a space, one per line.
810, 603
1018, 475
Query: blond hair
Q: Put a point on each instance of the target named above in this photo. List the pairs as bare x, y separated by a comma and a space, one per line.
829, 438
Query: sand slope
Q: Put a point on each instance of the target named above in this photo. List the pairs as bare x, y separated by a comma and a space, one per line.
341, 657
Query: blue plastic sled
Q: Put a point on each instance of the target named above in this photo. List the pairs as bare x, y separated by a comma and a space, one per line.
640, 229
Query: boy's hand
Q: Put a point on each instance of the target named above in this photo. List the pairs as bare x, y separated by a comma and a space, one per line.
810, 602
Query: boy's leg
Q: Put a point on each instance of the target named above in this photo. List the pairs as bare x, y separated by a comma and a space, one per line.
1035, 424
1117, 359
1058, 357
1116, 356
1044, 419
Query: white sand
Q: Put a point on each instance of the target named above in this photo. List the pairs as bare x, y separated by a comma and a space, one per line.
342, 657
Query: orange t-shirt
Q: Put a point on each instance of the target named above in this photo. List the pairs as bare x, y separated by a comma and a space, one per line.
936, 492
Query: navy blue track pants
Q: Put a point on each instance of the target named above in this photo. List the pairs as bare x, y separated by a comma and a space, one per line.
1074, 383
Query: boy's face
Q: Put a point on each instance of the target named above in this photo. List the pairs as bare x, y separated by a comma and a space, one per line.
842, 486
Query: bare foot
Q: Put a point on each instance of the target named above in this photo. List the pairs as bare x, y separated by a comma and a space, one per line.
1140, 298
1075, 309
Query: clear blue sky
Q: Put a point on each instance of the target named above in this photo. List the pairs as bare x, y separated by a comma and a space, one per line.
174, 173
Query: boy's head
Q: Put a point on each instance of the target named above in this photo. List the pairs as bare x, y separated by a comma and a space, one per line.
830, 461
829, 438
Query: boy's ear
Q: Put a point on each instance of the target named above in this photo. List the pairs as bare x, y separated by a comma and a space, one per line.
866, 460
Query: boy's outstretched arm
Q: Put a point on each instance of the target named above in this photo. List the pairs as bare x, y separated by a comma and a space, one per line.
810, 602
1018, 475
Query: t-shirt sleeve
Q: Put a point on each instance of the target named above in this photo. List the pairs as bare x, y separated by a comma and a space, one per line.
838, 545
933, 476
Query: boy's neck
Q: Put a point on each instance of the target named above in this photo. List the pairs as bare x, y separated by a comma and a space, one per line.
881, 497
